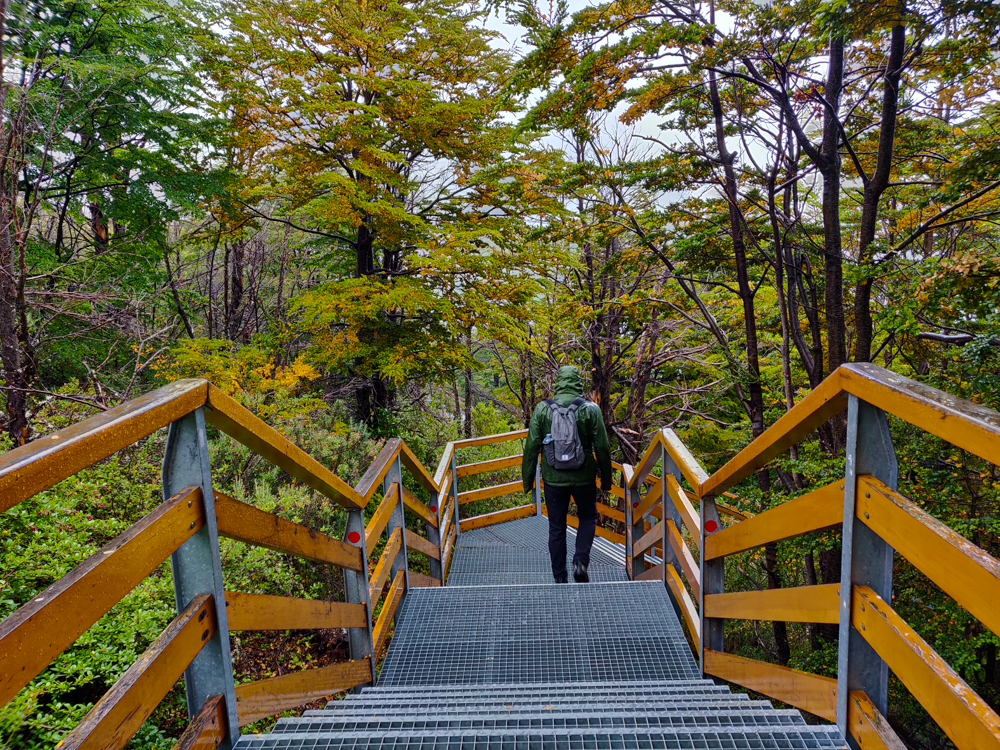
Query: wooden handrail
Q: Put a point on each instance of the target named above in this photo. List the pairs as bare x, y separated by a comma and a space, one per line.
120, 712
502, 437
689, 516
33, 636
500, 516
239, 423
208, 727
384, 566
245, 523
810, 692
264, 698
392, 600
417, 543
444, 465
968, 574
263, 612
823, 508
371, 480
688, 609
965, 717
29, 469
495, 464
485, 493
410, 501
380, 518
819, 604
691, 570
417, 470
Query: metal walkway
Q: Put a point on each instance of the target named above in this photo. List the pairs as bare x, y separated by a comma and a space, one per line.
504, 659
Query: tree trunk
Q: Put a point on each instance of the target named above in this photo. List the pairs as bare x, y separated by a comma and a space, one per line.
873, 190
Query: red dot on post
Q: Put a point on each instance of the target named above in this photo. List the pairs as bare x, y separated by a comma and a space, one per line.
711, 527
434, 509
354, 537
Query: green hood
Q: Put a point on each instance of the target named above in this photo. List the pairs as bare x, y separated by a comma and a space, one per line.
569, 385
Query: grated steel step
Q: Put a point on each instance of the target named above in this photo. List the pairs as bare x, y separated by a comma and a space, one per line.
550, 720
798, 738
555, 686
597, 709
605, 632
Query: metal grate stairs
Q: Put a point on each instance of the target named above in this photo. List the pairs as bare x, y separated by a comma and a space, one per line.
522, 663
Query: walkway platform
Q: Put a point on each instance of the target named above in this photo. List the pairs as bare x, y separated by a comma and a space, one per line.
504, 659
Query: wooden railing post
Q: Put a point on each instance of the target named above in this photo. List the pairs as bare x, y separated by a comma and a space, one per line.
713, 581
397, 521
197, 569
356, 590
866, 558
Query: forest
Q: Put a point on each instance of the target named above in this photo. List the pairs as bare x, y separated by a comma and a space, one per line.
365, 219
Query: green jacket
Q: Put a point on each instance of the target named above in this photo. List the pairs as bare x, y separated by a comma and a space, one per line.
589, 425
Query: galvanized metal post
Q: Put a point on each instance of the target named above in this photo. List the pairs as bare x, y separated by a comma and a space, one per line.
197, 568
356, 589
397, 520
638, 529
866, 558
434, 537
537, 491
713, 581
454, 498
670, 511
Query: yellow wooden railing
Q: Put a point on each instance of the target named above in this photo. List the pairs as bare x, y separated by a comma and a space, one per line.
185, 528
682, 527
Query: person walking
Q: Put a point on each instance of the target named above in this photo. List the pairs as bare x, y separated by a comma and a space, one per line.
567, 430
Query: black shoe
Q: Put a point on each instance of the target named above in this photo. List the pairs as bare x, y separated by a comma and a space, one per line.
564, 578
580, 573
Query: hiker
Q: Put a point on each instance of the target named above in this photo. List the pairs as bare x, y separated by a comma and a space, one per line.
568, 430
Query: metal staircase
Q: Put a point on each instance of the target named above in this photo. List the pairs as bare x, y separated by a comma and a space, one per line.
503, 658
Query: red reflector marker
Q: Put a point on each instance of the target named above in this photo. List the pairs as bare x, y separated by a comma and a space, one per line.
711, 527
635, 505
434, 509
354, 537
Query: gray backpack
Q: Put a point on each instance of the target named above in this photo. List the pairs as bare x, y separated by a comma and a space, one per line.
562, 446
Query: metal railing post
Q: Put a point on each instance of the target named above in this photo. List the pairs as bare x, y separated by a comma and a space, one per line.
669, 511
197, 569
638, 529
397, 520
454, 497
359, 640
866, 558
713, 581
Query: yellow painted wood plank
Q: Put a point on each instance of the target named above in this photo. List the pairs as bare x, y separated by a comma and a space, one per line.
383, 568
868, 727
692, 571
264, 698
481, 467
245, 523
965, 717
502, 437
371, 482
689, 516
262, 612
500, 516
485, 493
968, 574
43, 463
33, 636
417, 470
224, 413
609, 512
425, 547
645, 505
611, 536
379, 520
688, 609
410, 501
653, 574
823, 508
395, 596
819, 604
648, 539
810, 692
120, 712
208, 728
419, 580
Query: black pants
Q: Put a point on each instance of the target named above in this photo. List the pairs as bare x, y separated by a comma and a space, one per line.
557, 503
